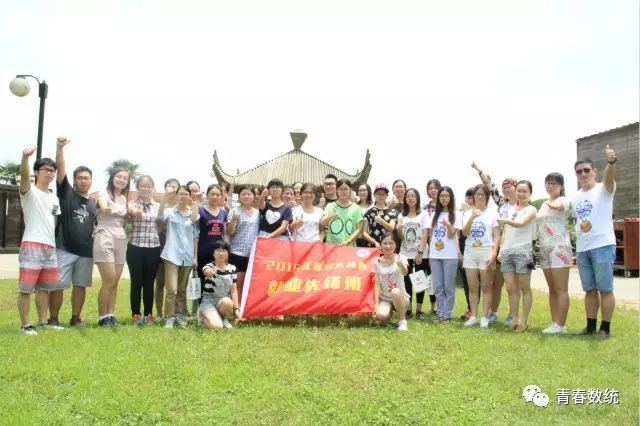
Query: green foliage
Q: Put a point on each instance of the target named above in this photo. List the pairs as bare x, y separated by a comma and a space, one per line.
125, 164
10, 173
538, 203
301, 374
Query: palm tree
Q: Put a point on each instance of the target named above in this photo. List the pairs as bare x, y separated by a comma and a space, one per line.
10, 173
126, 164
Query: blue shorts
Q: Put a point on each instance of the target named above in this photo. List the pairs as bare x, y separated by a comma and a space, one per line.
596, 268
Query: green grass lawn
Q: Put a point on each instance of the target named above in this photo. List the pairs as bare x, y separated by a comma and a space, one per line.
268, 374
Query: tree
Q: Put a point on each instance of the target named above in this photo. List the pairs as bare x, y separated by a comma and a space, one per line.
538, 203
126, 164
10, 173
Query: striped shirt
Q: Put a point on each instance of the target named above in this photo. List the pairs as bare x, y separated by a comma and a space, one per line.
145, 230
220, 284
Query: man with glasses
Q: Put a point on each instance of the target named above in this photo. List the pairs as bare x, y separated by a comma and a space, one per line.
592, 207
74, 237
329, 189
37, 258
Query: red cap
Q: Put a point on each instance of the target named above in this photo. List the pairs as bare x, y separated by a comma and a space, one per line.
381, 186
510, 181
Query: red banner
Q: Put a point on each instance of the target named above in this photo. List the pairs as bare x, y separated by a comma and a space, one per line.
293, 277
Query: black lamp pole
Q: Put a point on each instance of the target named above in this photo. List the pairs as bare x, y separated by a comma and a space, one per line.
43, 89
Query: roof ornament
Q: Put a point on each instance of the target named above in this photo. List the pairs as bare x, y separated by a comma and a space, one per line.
298, 137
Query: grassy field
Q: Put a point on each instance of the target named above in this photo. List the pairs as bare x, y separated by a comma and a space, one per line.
298, 374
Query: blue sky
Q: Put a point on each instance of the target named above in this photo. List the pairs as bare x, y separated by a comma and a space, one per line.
426, 86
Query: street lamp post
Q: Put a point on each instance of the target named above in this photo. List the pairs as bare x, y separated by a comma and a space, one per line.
19, 86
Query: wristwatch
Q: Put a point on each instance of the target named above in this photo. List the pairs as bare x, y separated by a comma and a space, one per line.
613, 162
420, 251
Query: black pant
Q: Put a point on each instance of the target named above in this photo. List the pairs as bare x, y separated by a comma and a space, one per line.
143, 265
407, 281
465, 285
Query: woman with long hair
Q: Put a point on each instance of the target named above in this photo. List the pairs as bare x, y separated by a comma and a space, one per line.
398, 187
516, 254
444, 251
109, 242
555, 250
143, 251
432, 187
413, 230
365, 201
481, 250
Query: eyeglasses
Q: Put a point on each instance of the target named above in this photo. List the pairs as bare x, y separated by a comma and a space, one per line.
551, 183
47, 170
329, 183
585, 171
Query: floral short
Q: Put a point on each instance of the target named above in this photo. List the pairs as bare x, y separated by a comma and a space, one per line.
557, 256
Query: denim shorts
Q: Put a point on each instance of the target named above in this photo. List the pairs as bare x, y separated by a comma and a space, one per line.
518, 259
596, 268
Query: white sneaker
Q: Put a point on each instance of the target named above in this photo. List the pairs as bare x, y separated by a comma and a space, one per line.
471, 322
226, 323
182, 321
168, 323
555, 329
484, 322
29, 330
402, 325
49, 326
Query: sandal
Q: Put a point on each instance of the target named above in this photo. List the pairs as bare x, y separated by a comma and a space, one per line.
522, 328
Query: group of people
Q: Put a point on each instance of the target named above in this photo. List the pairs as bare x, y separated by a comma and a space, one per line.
188, 232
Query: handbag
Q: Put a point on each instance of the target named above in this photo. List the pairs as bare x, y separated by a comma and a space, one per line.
420, 281
193, 287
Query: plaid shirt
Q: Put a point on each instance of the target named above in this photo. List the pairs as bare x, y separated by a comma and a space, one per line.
145, 230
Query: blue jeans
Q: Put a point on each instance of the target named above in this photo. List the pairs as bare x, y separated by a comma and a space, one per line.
443, 275
596, 268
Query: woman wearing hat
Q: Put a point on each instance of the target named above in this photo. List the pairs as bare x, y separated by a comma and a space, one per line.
380, 218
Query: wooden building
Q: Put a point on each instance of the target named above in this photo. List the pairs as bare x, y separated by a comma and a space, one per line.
293, 166
624, 140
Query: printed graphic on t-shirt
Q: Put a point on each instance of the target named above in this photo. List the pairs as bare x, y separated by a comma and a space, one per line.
583, 209
272, 216
477, 232
337, 225
80, 215
439, 233
412, 232
391, 282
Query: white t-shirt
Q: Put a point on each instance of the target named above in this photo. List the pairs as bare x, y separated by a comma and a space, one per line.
39, 209
412, 228
481, 234
310, 229
551, 224
517, 237
443, 247
389, 277
593, 211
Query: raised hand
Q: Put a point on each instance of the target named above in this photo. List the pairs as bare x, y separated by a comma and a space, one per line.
28, 152
62, 141
610, 153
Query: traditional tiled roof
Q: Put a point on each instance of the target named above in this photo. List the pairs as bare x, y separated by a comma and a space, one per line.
293, 166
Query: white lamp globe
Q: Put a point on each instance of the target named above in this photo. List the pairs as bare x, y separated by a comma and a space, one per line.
19, 86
